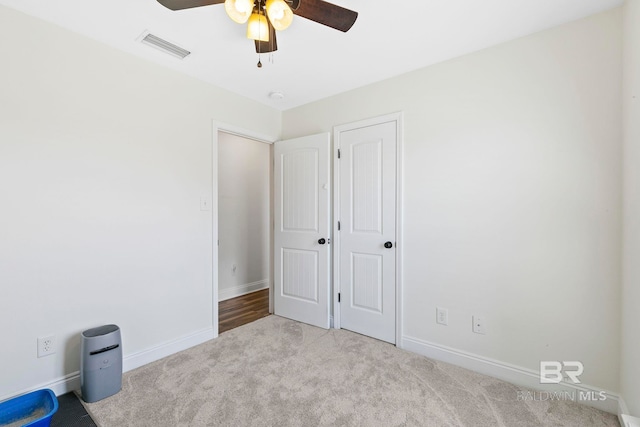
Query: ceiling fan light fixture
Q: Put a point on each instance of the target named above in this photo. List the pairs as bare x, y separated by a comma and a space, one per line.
264, 18
239, 10
280, 14
258, 28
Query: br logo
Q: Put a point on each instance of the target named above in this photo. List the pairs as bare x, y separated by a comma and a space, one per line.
551, 371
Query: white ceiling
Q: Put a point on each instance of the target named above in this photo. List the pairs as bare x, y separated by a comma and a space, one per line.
313, 61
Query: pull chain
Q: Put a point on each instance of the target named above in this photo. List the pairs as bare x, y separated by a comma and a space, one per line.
259, 64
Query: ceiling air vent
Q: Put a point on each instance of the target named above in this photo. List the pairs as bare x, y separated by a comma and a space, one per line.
165, 46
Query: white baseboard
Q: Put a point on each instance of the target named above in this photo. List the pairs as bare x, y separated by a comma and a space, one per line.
132, 361
141, 358
239, 290
59, 386
625, 419
622, 406
629, 421
517, 375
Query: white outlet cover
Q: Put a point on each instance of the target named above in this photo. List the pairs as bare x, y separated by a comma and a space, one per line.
442, 316
46, 345
479, 325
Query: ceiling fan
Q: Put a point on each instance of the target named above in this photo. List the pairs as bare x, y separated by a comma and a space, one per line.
264, 17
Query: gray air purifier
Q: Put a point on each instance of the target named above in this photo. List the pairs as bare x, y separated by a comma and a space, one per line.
100, 363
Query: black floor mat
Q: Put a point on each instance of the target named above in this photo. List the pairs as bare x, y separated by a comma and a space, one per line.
71, 413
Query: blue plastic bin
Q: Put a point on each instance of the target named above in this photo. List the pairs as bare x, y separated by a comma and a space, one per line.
34, 409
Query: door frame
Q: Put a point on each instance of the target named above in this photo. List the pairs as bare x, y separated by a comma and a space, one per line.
398, 119
248, 134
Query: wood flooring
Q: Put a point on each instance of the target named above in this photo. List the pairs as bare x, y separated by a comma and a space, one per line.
241, 310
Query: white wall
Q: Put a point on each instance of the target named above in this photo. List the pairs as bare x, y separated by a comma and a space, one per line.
103, 160
512, 194
244, 215
630, 366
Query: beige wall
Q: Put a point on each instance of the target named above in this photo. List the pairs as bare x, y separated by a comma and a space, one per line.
103, 160
244, 213
512, 194
630, 366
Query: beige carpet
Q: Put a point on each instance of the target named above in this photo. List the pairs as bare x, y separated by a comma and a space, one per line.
276, 372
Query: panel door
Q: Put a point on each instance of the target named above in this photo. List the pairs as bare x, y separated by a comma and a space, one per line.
368, 230
302, 229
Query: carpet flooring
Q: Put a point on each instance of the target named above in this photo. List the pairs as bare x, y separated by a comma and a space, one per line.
276, 372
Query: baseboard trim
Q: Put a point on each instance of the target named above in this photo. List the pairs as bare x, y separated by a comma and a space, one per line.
625, 419
517, 375
629, 421
132, 361
141, 358
239, 290
59, 386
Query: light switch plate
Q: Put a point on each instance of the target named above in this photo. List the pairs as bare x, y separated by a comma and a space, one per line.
205, 203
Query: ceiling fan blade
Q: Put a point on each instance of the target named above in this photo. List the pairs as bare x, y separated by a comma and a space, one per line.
271, 45
187, 4
325, 13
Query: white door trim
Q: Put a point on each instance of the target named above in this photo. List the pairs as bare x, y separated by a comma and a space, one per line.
393, 117
244, 133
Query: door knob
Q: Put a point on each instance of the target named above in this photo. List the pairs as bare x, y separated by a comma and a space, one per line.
388, 245
322, 241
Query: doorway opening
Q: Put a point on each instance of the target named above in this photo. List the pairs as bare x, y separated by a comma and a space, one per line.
241, 310
244, 232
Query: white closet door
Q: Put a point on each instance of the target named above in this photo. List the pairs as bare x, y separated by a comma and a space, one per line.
367, 171
302, 229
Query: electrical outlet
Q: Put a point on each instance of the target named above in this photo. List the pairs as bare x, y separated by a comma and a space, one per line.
442, 316
46, 345
479, 325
